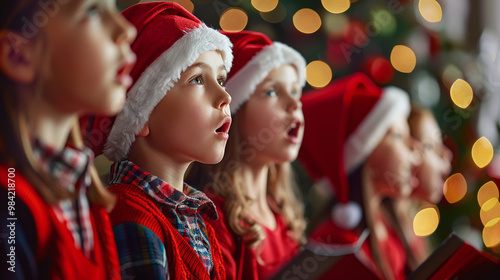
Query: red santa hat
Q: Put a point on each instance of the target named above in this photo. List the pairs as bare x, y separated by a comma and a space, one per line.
346, 120
255, 55
169, 40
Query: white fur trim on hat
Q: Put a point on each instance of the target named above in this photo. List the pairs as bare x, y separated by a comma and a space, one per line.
362, 142
243, 84
347, 215
156, 80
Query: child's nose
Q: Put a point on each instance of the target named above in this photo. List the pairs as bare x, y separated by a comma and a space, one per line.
125, 32
223, 101
416, 152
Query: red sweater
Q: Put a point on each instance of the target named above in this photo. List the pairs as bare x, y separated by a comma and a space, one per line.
241, 261
55, 244
134, 205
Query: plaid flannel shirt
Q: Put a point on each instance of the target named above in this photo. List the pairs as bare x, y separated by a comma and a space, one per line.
182, 209
71, 168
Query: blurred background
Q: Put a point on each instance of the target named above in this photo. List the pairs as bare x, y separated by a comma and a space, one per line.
443, 53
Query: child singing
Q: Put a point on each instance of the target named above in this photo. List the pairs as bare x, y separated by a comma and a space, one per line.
57, 62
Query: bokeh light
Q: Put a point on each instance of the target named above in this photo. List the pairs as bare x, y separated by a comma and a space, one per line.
491, 233
187, 4
264, 5
461, 93
403, 59
482, 152
233, 20
276, 15
455, 188
383, 21
489, 215
318, 74
430, 10
426, 221
336, 6
487, 195
335, 24
306, 21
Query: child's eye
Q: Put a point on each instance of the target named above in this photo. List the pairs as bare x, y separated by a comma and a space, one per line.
397, 135
270, 93
294, 94
93, 10
198, 80
222, 82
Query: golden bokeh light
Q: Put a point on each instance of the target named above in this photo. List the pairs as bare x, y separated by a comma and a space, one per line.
461, 93
306, 21
264, 5
276, 15
426, 221
336, 6
318, 74
233, 20
403, 59
430, 10
488, 215
455, 188
487, 195
482, 152
491, 234
187, 4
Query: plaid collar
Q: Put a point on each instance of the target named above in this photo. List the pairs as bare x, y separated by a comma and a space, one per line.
70, 166
189, 201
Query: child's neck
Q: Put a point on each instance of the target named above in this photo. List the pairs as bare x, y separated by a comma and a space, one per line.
158, 164
49, 125
255, 180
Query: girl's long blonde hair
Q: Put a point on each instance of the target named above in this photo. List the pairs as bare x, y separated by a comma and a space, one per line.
15, 140
224, 180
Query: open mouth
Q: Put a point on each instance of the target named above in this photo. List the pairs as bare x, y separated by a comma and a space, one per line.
224, 128
123, 74
294, 130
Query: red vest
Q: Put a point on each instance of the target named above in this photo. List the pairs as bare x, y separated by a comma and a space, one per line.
55, 244
134, 205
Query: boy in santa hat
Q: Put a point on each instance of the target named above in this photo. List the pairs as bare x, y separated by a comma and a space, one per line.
176, 112
263, 219
358, 142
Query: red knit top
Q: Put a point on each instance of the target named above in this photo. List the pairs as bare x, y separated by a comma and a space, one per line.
55, 244
134, 205
240, 261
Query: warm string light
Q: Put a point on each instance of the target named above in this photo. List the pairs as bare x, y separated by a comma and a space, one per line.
461, 93
426, 221
455, 188
306, 21
264, 5
233, 20
318, 74
482, 152
336, 6
403, 59
430, 10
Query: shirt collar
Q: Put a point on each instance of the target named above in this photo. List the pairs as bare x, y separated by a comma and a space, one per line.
69, 165
189, 201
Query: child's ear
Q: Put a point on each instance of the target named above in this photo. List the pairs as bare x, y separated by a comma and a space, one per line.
17, 57
144, 131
